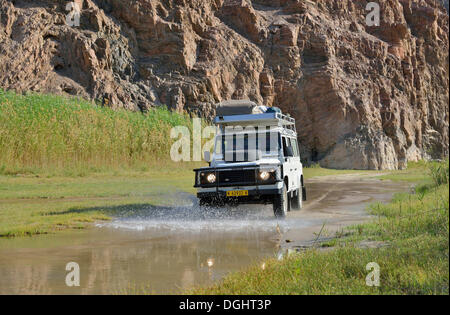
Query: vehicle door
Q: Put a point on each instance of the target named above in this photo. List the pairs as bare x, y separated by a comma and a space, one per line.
288, 163
296, 162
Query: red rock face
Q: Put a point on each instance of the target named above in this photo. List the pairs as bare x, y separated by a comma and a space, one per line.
364, 97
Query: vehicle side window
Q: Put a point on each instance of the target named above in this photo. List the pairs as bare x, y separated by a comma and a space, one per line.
285, 145
291, 144
295, 147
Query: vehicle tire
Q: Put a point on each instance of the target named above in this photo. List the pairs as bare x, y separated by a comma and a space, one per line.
281, 204
297, 200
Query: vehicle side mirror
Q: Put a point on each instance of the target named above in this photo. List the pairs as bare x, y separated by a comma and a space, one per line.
289, 152
207, 156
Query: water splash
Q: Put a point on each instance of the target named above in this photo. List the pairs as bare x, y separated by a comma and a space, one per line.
252, 218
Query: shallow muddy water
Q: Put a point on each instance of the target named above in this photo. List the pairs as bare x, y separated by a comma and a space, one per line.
168, 249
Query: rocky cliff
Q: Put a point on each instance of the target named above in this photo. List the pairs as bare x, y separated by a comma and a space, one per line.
366, 97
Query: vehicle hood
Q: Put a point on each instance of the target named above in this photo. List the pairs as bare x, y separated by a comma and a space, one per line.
221, 164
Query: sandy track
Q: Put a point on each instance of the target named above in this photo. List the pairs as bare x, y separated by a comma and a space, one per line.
335, 202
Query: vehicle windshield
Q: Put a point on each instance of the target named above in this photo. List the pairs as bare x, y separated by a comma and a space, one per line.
245, 146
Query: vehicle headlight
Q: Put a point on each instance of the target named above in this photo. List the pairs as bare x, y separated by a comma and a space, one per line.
267, 174
211, 178
264, 175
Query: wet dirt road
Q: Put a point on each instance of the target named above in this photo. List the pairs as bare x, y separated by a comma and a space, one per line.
166, 249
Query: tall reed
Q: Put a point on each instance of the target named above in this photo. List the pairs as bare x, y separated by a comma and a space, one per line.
47, 132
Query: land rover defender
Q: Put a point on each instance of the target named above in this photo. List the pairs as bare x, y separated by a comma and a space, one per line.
255, 159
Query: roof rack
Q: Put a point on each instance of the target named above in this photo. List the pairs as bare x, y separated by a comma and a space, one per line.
269, 119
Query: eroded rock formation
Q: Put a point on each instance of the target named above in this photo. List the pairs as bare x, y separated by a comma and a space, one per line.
366, 97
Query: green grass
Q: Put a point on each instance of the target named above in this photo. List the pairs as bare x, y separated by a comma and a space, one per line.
316, 171
30, 205
55, 135
132, 184
415, 260
417, 172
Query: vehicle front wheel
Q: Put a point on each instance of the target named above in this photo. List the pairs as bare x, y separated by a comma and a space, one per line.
297, 200
281, 204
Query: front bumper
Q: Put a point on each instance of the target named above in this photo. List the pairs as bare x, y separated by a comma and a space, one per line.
256, 194
223, 194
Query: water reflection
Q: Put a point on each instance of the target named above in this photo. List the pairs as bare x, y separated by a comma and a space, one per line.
113, 259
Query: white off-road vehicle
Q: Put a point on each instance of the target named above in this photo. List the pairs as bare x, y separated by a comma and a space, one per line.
255, 160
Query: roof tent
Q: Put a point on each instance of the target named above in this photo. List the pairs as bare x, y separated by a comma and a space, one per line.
238, 107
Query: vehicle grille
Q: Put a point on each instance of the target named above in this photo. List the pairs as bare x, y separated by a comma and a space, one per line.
241, 177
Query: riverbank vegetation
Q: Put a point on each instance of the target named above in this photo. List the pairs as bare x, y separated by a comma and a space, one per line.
408, 239
50, 135
66, 162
